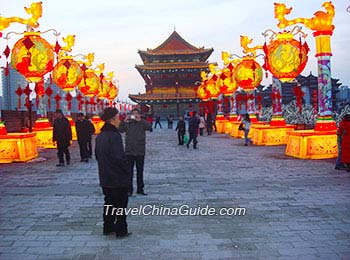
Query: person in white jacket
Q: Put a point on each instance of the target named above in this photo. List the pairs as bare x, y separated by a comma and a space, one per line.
202, 125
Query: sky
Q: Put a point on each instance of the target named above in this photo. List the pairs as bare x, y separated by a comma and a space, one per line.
116, 29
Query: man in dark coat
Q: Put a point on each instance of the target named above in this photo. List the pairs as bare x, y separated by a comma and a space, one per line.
193, 127
62, 135
113, 173
83, 129
91, 132
181, 130
135, 146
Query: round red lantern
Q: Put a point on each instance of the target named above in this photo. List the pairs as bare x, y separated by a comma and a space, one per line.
67, 73
32, 56
248, 73
286, 57
113, 92
90, 83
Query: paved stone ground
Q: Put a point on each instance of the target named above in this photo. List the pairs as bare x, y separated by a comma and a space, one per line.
295, 209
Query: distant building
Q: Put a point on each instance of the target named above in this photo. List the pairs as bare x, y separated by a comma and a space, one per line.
170, 72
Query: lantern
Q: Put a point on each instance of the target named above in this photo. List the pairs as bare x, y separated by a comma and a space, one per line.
113, 92
286, 57
90, 84
228, 83
248, 73
213, 87
32, 56
104, 90
67, 73
202, 92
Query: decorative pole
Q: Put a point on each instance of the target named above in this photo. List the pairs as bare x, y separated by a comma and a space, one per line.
322, 27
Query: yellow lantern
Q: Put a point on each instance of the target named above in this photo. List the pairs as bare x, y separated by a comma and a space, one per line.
113, 92
248, 73
32, 56
213, 87
90, 84
286, 57
104, 91
67, 73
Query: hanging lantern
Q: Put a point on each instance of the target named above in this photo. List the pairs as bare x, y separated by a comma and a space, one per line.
104, 90
213, 87
286, 57
113, 92
32, 56
228, 84
248, 73
67, 73
90, 83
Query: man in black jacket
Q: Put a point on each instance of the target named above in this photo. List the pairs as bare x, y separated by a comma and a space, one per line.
62, 135
181, 130
83, 129
135, 146
113, 173
193, 126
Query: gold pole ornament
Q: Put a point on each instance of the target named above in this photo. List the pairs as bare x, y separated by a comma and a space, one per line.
322, 21
35, 10
249, 50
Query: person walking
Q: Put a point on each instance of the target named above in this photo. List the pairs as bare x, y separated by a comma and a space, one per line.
193, 125
83, 130
181, 130
209, 124
135, 146
157, 123
246, 126
202, 125
91, 132
170, 122
344, 133
114, 174
62, 136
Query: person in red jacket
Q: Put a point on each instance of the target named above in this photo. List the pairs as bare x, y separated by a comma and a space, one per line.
344, 133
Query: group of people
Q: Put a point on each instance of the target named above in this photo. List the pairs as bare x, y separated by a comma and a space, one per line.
116, 163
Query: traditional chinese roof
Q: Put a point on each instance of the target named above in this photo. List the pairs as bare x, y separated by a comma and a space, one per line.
173, 48
174, 65
148, 98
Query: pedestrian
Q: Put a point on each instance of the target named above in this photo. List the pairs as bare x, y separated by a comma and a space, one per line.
62, 136
91, 132
157, 123
209, 124
246, 127
344, 133
135, 146
170, 122
82, 127
193, 125
202, 125
213, 124
114, 174
181, 130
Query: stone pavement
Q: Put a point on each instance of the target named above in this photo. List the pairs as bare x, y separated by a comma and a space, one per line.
295, 209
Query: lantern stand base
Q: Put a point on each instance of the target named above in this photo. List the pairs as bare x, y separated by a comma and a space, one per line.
325, 123
72, 125
312, 144
219, 122
43, 130
235, 133
17, 147
270, 135
98, 123
227, 128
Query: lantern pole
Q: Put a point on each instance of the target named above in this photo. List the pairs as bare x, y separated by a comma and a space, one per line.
322, 26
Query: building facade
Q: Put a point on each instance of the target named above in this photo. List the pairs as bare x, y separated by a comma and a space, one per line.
171, 73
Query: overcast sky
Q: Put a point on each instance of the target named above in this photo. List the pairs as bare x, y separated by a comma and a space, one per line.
116, 29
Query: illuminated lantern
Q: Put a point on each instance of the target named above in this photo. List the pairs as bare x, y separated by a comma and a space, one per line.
32, 56
248, 73
90, 84
213, 87
104, 90
113, 92
203, 93
67, 73
286, 57
228, 83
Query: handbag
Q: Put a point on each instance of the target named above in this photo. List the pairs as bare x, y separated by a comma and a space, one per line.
185, 138
241, 127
